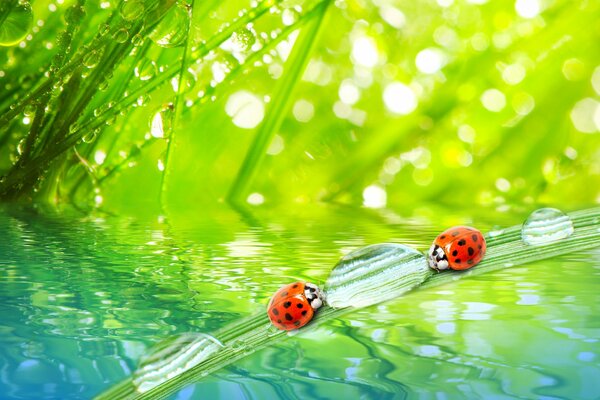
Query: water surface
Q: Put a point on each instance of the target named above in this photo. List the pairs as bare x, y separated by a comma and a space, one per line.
84, 297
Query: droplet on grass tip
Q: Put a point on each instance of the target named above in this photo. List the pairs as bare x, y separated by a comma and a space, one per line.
546, 225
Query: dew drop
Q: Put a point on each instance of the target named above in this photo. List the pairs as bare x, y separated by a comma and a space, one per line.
243, 39
15, 26
121, 35
289, 16
74, 127
172, 30
374, 274
160, 124
132, 9
145, 69
92, 58
137, 40
90, 136
546, 225
104, 29
172, 357
74, 14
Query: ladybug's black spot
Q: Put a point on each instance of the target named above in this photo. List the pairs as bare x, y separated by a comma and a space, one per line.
455, 253
443, 237
278, 321
275, 311
462, 242
299, 305
295, 286
470, 262
284, 294
288, 316
474, 237
455, 233
287, 304
304, 312
479, 247
471, 251
297, 323
457, 260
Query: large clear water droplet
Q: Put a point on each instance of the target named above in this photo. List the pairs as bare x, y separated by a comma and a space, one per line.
172, 357
374, 274
172, 30
546, 225
15, 26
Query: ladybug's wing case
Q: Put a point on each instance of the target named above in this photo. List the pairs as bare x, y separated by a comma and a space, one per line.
466, 249
290, 312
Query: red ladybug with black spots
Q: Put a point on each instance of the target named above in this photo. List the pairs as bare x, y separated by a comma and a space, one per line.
457, 248
294, 305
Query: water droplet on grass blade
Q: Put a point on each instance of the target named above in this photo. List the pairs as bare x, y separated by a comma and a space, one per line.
546, 225
172, 357
172, 30
92, 58
374, 274
160, 125
121, 35
16, 25
145, 69
132, 9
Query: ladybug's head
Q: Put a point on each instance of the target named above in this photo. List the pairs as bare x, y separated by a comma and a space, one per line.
437, 258
313, 295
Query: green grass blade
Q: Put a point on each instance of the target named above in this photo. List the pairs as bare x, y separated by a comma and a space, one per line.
281, 101
244, 337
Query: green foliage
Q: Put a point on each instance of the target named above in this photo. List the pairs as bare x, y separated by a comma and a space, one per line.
115, 103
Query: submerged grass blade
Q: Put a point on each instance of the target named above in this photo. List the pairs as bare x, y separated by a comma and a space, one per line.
242, 338
282, 97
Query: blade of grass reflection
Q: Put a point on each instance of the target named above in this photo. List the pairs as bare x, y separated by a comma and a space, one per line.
255, 332
283, 95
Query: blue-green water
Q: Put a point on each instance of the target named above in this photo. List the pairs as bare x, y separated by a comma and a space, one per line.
83, 298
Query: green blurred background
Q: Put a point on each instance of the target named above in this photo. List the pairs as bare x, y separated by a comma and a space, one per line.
368, 103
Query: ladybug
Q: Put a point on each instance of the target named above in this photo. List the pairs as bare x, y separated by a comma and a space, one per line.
294, 305
458, 248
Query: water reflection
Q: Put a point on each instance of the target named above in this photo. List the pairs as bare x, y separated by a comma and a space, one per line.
84, 299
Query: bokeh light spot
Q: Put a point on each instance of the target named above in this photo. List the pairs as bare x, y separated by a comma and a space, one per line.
245, 109
493, 100
399, 98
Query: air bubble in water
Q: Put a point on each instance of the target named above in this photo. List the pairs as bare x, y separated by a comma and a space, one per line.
546, 225
172, 357
172, 30
15, 26
374, 274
